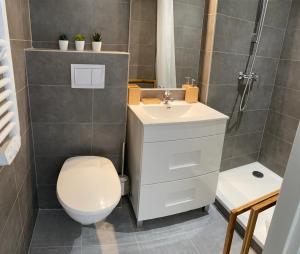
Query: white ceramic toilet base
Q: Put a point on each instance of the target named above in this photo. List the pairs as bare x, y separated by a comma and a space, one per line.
88, 188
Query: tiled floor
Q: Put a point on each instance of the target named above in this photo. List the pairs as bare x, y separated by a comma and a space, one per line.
188, 233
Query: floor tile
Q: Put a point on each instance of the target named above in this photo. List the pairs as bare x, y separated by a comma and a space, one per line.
55, 250
118, 228
56, 229
112, 249
192, 232
169, 246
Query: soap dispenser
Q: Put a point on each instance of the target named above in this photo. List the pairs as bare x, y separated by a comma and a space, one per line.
192, 93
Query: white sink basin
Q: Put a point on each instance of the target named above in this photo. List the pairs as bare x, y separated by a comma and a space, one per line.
175, 112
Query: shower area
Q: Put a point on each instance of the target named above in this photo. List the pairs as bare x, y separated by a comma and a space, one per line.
250, 71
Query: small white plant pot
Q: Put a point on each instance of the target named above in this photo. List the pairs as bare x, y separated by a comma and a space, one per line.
79, 45
63, 45
97, 46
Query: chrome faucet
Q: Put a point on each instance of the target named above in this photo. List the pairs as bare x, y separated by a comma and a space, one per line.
167, 97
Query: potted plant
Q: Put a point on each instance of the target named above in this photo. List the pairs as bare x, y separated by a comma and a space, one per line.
79, 42
63, 42
97, 42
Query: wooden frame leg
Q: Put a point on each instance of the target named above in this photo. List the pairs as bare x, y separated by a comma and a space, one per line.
249, 231
230, 232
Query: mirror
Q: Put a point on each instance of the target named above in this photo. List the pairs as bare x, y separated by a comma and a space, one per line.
165, 42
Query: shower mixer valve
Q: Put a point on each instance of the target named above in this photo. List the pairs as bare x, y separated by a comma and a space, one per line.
252, 76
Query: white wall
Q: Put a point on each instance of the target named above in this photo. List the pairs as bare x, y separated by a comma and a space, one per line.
284, 234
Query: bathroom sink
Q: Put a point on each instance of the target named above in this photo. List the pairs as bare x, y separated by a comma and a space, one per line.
175, 112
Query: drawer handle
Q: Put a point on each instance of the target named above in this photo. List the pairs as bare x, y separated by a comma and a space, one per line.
189, 165
179, 202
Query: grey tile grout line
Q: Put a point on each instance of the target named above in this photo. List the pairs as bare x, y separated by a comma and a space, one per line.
290, 59
282, 45
238, 54
236, 157
285, 115
286, 87
249, 21
278, 138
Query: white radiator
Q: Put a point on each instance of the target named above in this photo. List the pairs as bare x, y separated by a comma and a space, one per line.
10, 140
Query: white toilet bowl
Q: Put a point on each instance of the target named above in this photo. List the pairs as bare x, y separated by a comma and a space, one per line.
88, 188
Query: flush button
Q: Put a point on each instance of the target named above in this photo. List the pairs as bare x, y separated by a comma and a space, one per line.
83, 77
98, 77
88, 76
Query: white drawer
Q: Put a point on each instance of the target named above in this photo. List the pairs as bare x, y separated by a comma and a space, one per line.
175, 160
156, 133
162, 199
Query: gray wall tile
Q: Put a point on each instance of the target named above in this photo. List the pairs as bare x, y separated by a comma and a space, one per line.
225, 68
278, 13
18, 57
187, 37
24, 160
276, 148
8, 193
291, 45
142, 72
47, 197
239, 9
288, 74
188, 15
247, 122
108, 138
60, 104
143, 10
116, 98
238, 161
142, 32
62, 139
286, 101
26, 201
145, 55
267, 47
232, 35
11, 234
49, 168
282, 126
18, 19
58, 17
294, 19
266, 68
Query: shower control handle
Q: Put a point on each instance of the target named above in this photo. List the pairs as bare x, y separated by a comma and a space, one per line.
251, 76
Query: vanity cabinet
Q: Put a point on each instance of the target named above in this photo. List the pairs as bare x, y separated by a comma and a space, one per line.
173, 167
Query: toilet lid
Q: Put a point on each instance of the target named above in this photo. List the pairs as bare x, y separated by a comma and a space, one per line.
88, 184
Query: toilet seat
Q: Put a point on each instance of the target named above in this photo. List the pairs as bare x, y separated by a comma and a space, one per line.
88, 188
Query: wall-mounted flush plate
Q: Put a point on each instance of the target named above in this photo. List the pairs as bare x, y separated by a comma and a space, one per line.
88, 76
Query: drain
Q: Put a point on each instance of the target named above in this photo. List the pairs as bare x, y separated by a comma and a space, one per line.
258, 174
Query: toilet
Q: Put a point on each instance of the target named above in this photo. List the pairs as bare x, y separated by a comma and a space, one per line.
88, 188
